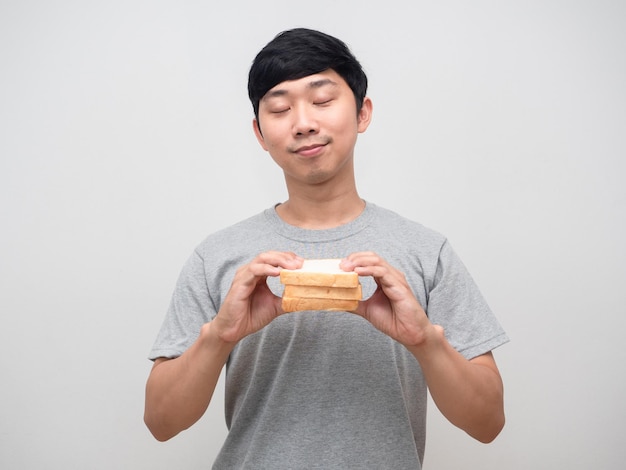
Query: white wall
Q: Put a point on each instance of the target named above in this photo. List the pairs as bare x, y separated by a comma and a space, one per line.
125, 138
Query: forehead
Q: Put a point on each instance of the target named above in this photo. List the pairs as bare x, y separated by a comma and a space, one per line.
326, 79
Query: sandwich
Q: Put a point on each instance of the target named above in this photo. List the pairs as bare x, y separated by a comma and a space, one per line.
320, 284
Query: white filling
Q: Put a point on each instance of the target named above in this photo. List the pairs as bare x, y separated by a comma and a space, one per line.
322, 266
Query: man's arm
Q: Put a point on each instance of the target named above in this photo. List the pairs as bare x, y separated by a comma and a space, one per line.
179, 390
468, 393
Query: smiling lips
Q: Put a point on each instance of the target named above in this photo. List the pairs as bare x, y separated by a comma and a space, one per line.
311, 150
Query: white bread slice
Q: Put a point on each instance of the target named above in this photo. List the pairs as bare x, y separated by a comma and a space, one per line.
323, 292
290, 304
320, 272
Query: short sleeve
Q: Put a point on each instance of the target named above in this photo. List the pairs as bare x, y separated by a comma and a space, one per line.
456, 304
190, 307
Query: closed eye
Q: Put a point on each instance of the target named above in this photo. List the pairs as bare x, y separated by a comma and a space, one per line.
322, 103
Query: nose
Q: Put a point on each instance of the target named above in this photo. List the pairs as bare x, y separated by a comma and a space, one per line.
304, 122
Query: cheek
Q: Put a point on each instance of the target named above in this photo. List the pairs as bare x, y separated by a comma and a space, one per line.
271, 145
272, 135
346, 120
265, 139
274, 145
343, 130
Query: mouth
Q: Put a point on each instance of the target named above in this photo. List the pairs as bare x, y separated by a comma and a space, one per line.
310, 150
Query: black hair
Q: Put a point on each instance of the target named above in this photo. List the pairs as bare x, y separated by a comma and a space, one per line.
301, 52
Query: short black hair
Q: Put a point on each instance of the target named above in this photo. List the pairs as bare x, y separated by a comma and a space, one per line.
298, 53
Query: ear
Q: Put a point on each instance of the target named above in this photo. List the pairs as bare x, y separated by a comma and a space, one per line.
257, 132
364, 116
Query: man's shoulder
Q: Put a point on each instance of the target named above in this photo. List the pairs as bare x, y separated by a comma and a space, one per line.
243, 231
403, 225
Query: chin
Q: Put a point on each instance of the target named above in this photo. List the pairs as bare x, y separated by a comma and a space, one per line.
318, 177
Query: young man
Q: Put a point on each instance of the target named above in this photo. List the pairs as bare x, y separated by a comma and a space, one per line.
323, 389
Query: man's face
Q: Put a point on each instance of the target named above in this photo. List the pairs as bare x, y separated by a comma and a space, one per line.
310, 125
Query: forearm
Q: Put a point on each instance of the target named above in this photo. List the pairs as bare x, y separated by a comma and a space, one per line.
179, 390
468, 393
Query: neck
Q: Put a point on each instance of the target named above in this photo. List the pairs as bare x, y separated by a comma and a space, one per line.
320, 209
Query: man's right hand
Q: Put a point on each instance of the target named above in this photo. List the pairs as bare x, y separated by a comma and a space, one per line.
250, 305
179, 390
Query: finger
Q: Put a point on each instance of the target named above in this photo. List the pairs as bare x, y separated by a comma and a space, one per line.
360, 258
270, 263
251, 275
364, 259
392, 281
282, 259
371, 264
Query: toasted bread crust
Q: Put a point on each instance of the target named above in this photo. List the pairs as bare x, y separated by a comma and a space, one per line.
323, 292
305, 278
301, 303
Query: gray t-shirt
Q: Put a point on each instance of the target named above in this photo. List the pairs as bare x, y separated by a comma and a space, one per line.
326, 389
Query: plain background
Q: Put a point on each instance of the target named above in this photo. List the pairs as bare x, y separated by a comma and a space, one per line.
125, 139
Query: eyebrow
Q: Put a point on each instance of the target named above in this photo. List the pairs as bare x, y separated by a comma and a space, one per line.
315, 84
